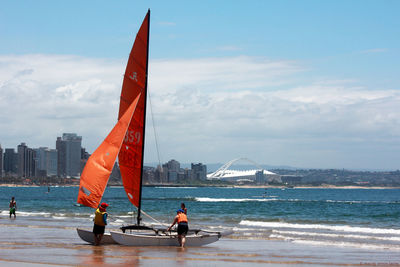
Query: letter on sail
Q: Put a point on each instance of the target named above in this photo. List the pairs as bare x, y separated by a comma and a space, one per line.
130, 156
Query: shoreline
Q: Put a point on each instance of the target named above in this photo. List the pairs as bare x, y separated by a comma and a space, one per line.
46, 247
265, 231
319, 187
227, 186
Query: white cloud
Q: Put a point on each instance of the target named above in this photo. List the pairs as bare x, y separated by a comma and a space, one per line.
206, 110
211, 74
43, 96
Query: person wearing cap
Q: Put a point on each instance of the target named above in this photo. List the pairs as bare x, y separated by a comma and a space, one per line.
182, 221
100, 222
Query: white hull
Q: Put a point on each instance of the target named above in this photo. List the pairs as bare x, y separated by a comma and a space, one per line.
151, 239
87, 235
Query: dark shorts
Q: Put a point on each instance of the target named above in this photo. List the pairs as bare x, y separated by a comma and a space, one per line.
183, 228
98, 230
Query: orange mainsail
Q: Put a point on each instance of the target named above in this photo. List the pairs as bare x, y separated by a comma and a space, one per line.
98, 168
130, 156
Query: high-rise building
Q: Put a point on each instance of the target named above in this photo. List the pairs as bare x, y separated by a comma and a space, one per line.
61, 147
22, 151
1, 162
69, 155
199, 171
26, 161
51, 162
10, 161
46, 160
174, 165
171, 170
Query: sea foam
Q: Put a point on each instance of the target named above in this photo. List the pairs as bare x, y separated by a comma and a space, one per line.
329, 235
349, 244
207, 199
342, 228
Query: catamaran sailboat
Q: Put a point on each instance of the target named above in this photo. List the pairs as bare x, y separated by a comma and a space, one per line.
126, 140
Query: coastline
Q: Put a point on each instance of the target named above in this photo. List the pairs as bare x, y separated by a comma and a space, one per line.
44, 231
49, 246
325, 186
34, 185
319, 187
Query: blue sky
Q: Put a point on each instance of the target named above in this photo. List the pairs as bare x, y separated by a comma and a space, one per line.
302, 83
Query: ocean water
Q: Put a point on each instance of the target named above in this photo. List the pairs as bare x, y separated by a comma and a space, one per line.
360, 218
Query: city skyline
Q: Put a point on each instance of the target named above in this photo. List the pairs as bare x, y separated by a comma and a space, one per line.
305, 84
241, 163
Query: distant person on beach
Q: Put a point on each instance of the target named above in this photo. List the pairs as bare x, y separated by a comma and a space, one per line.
182, 221
183, 208
100, 222
13, 206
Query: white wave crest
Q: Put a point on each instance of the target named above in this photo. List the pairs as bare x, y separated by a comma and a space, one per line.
340, 228
295, 233
58, 217
24, 213
175, 187
349, 244
242, 229
207, 199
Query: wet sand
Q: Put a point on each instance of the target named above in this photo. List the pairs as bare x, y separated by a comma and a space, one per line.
22, 245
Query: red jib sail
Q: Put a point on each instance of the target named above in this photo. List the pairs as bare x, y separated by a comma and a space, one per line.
130, 156
98, 168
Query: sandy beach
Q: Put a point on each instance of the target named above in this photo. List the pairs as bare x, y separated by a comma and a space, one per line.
286, 227
23, 245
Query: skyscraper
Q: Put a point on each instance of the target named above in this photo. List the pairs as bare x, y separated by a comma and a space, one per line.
51, 162
26, 161
199, 171
172, 169
69, 155
46, 161
10, 161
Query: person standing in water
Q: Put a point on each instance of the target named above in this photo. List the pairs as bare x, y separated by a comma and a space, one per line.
13, 206
182, 221
100, 222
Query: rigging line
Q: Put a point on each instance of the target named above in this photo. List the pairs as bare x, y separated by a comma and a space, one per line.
154, 129
156, 141
154, 219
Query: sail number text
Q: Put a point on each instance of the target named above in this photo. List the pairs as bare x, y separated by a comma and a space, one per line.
132, 137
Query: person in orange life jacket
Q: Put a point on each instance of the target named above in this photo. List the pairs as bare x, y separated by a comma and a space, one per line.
182, 221
100, 222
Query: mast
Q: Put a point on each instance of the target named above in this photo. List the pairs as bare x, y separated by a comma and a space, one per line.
144, 119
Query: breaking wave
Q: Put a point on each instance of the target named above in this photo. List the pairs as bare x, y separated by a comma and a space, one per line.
207, 199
